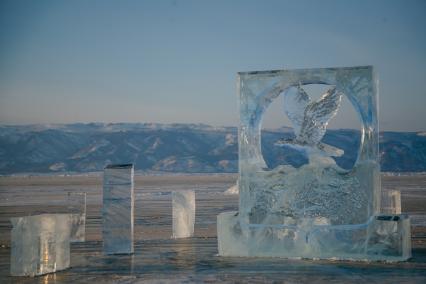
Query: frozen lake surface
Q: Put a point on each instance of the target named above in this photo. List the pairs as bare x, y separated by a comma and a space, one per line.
158, 258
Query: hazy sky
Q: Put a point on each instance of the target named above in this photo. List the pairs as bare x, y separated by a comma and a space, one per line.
176, 61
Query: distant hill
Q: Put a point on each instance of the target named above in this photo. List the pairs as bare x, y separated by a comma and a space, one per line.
190, 148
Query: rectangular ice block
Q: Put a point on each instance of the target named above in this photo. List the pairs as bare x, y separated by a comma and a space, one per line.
313, 208
383, 237
391, 202
40, 244
183, 213
389, 237
117, 210
77, 210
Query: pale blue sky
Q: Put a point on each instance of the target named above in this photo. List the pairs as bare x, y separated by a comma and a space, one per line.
176, 61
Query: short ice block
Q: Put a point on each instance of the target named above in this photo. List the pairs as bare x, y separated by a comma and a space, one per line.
391, 202
40, 244
117, 210
183, 213
77, 210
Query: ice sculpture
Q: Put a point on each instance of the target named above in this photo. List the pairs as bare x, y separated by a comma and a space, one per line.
117, 210
317, 210
77, 210
40, 244
183, 213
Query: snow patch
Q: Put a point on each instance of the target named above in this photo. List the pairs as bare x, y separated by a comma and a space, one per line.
233, 190
57, 166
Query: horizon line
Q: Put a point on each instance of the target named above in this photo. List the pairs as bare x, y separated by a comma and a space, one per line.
46, 125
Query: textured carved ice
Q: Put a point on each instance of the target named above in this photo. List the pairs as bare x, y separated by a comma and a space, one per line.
309, 118
317, 210
117, 210
40, 244
383, 237
77, 210
183, 213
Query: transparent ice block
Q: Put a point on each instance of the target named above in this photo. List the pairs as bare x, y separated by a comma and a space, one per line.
183, 213
391, 202
40, 244
383, 237
318, 209
77, 209
117, 210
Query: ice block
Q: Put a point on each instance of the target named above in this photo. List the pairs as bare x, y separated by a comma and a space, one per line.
117, 210
183, 213
391, 202
315, 208
40, 244
77, 210
383, 237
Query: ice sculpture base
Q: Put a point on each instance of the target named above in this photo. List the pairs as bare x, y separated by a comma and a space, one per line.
383, 238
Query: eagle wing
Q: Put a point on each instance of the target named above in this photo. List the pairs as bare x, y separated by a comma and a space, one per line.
317, 115
295, 102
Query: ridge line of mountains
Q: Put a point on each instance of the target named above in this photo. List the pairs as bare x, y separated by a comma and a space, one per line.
178, 148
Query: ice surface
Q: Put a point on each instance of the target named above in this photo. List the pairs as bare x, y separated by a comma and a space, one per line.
391, 202
117, 210
40, 244
77, 210
183, 213
318, 210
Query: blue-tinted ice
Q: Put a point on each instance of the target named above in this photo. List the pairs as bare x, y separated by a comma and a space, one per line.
117, 210
318, 210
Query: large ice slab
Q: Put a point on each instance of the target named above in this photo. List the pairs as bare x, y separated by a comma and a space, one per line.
117, 210
317, 209
77, 208
183, 213
40, 244
382, 237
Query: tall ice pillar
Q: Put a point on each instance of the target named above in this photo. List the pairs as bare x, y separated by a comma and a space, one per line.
117, 210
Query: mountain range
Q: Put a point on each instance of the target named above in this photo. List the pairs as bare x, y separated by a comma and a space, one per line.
183, 148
